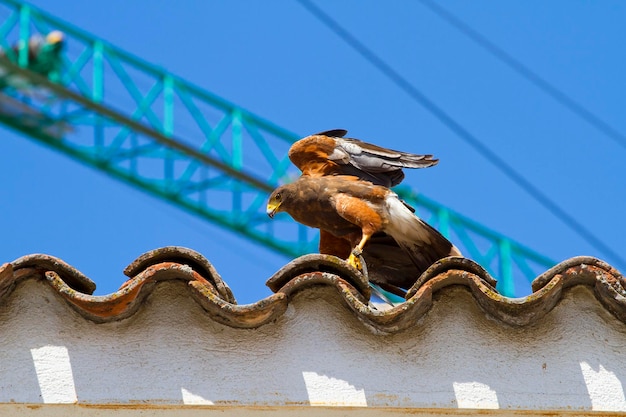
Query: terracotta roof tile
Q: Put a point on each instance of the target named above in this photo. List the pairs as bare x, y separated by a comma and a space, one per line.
42, 263
213, 294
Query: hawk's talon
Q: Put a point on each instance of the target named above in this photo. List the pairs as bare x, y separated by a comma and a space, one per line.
356, 252
354, 261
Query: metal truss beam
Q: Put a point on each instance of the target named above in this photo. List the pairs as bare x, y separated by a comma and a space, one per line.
168, 137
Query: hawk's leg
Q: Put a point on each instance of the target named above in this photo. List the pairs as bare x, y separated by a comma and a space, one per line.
353, 259
362, 213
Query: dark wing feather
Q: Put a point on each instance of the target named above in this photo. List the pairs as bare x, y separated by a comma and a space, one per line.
334, 133
386, 179
371, 162
435, 247
388, 265
391, 264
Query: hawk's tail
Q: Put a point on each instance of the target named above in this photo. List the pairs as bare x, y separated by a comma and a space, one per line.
423, 243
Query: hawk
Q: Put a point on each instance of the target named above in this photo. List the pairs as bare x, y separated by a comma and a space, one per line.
343, 191
355, 211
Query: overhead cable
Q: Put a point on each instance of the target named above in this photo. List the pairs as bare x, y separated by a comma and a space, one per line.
558, 95
460, 131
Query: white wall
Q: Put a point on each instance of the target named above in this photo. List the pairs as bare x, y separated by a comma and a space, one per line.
317, 353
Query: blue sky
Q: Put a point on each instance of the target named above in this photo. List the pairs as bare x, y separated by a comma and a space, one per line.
276, 60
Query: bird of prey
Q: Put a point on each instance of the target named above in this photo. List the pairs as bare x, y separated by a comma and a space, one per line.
329, 159
355, 211
329, 153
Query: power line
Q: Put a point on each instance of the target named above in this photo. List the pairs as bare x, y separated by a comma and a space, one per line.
464, 134
529, 74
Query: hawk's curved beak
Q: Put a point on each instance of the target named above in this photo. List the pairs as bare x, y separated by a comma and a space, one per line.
272, 208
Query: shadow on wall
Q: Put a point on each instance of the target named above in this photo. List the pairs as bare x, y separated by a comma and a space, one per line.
171, 352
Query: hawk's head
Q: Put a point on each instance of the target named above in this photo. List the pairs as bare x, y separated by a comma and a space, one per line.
276, 200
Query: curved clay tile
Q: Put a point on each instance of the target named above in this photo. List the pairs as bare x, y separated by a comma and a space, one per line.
185, 256
72, 276
213, 295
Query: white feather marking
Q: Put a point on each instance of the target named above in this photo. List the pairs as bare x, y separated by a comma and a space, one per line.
421, 242
403, 225
339, 155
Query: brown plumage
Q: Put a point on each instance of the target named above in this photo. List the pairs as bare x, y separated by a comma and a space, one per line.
350, 213
343, 191
329, 153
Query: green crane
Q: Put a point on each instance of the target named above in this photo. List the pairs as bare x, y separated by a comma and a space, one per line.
179, 142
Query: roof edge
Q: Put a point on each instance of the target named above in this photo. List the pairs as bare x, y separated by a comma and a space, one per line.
209, 290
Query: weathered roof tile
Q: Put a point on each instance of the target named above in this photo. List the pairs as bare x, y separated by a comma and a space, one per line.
41, 263
212, 293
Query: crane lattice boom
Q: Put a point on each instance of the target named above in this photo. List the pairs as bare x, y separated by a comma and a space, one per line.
176, 141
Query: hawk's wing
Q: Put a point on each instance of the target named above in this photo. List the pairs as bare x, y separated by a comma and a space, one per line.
329, 153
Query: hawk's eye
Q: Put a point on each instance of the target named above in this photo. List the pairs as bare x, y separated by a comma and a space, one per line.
278, 197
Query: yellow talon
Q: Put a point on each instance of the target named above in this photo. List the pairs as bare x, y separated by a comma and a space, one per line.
355, 262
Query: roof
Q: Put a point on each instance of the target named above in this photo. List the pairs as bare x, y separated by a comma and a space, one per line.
210, 291
173, 336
